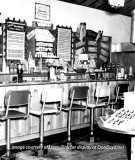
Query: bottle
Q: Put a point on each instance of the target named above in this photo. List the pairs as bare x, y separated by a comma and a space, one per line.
122, 72
11, 67
19, 73
52, 73
31, 63
113, 65
130, 71
119, 75
118, 67
118, 71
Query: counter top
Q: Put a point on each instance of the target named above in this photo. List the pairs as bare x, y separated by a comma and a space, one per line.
61, 82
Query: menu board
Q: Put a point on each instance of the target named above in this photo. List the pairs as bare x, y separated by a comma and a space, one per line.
15, 45
64, 43
15, 39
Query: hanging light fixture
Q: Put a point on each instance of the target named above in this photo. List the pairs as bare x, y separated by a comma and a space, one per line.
116, 3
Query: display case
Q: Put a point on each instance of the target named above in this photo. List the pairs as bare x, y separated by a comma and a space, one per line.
91, 49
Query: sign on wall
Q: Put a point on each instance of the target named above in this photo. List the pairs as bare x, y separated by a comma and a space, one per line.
15, 45
42, 12
15, 32
64, 43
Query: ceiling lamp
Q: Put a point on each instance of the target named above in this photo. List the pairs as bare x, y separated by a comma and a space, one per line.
116, 3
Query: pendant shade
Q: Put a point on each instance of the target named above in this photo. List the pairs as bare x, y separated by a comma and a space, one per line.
116, 3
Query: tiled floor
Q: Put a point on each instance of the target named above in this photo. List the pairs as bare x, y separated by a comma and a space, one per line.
108, 147
81, 150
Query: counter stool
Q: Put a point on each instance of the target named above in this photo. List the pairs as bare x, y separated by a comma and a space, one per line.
123, 87
78, 100
50, 97
119, 90
100, 99
14, 99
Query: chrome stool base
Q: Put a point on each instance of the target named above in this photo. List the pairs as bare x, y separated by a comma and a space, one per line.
42, 152
5, 157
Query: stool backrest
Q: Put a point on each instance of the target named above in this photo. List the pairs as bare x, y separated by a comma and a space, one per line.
121, 88
17, 98
52, 95
102, 94
102, 91
79, 92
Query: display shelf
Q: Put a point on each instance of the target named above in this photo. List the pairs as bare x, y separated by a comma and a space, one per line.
50, 57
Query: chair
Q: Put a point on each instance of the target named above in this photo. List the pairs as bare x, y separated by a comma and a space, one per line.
14, 99
49, 98
101, 99
123, 87
119, 90
78, 100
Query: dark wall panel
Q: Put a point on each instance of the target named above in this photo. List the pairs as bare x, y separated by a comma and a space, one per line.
125, 59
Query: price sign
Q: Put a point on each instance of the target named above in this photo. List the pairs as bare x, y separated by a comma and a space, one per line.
64, 43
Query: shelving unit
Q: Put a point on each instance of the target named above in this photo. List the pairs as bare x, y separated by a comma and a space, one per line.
92, 75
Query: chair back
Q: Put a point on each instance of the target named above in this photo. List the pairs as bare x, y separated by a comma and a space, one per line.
102, 91
121, 88
52, 95
17, 98
80, 92
102, 94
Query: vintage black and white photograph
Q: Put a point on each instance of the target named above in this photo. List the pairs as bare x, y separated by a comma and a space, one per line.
67, 80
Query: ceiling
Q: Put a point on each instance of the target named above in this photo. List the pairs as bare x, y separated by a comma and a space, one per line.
103, 5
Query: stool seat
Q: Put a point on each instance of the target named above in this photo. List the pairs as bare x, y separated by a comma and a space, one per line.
47, 110
74, 107
12, 114
93, 104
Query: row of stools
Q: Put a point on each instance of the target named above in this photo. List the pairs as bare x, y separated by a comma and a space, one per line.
79, 99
